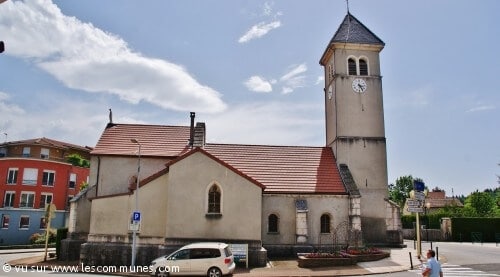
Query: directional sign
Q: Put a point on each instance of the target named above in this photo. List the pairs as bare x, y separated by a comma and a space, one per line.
415, 210
419, 195
415, 206
136, 216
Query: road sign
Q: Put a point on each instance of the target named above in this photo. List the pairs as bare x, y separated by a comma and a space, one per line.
418, 186
419, 195
415, 206
136, 216
134, 226
415, 209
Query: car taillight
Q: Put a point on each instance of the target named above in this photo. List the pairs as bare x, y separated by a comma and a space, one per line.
227, 260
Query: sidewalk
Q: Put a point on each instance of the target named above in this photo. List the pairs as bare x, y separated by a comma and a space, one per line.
398, 261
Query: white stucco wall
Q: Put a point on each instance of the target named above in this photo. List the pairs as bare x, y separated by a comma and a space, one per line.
188, 185
111, 215
103, 171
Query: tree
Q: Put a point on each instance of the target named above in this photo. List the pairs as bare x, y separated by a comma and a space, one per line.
481, 203
399, 191
77, 160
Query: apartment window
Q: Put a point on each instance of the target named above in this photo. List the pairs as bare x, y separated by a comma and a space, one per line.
30, 176
24, 222
351, 64
325, 223
72, 180
44, 153
12, 176
5, 221
43, 223
272, 223
48, 178
214, 197
26, 152
45, 200
8, 200
3, 152
363, 67
27, 200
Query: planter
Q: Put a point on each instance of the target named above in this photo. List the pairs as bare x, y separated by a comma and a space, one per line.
370, 257
325, 261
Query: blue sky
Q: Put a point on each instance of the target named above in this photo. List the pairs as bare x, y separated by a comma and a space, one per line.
250, 70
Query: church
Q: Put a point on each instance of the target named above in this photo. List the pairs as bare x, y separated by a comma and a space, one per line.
278, 200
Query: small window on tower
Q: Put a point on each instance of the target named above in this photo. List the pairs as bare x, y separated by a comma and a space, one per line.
351, 66
363, 67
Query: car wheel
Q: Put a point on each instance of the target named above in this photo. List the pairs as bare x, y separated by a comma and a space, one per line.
214, 272
161, 272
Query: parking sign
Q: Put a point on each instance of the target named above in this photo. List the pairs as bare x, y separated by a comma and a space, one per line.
136, 216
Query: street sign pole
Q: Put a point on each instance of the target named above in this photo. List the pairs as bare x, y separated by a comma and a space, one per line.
419, 242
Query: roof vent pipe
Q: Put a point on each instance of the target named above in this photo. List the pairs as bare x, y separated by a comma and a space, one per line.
191, 129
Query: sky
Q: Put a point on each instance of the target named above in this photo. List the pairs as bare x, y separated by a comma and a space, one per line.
250, 70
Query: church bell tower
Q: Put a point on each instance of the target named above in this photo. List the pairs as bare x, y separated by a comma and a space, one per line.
354, 118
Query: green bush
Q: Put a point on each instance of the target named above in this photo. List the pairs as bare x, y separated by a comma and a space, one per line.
38, 238
62, 233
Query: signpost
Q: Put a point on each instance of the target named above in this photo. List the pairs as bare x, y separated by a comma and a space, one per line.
49, 215
416, 205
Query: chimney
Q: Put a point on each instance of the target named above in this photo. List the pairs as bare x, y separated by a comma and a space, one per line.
199, 135
191, 130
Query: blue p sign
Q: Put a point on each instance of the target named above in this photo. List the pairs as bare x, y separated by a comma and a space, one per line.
418, 186
136, 216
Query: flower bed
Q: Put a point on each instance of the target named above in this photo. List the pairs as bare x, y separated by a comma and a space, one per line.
366, 254
310, 260
350, 256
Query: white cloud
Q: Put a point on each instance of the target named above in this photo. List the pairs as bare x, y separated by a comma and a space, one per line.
258, 84
268, 123
293, 78
9, 111
320, 80
84, 57
481, 108
259, 30
290, 81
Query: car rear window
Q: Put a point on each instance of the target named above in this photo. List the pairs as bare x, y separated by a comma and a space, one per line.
227, 251
204, 253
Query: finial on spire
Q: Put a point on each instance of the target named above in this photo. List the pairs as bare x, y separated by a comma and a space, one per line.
347, 5
110, 116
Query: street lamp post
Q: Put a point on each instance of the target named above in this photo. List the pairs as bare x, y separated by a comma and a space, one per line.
134, 231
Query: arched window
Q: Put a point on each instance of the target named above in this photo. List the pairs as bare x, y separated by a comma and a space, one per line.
214, 199
325, 223
272, 223
351, 64
363, 67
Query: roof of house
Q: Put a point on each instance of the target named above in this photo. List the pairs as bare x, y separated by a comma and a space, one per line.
284, 169
443, 202
155, 140
351, 30
280, 169
43, 141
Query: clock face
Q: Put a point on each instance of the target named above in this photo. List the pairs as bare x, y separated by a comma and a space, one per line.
330, 92
359, 85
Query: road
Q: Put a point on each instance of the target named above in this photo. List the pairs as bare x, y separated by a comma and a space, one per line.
462, 259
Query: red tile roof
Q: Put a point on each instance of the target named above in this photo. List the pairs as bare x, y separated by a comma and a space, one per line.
155, 140
47, 142
281, 169
284, 169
